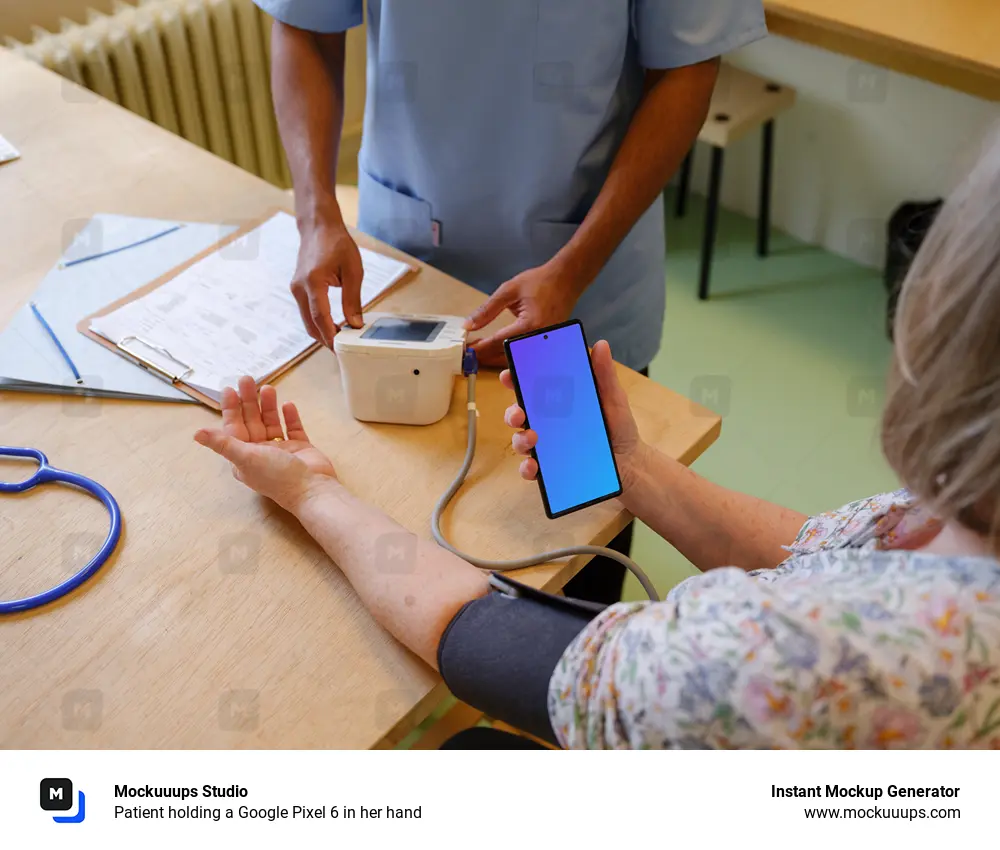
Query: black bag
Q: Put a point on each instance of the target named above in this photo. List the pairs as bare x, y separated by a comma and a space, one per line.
906, 231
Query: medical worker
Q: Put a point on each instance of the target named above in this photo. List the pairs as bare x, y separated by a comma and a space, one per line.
518, 145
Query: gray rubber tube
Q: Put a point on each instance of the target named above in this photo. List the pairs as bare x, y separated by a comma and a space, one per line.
531, 560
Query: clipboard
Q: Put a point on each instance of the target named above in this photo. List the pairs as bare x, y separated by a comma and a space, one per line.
133, 347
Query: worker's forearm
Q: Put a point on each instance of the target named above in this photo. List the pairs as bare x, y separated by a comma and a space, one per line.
710, 525
412, 586
307, 78
661, 133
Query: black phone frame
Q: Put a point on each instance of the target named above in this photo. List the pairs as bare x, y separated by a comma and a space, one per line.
604, 418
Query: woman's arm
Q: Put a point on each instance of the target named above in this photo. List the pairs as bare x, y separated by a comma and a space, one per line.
710, 525
494, 651
412, 586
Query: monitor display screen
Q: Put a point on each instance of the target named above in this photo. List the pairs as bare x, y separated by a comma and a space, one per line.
403, 330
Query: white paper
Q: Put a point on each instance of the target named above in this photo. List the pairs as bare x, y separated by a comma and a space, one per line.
7, 151
232, 313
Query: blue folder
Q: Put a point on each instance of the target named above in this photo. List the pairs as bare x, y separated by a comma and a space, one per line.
72, 290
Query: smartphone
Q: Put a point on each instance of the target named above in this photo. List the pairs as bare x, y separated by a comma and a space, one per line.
557, 391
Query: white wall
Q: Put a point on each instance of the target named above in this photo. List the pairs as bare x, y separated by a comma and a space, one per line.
859, 140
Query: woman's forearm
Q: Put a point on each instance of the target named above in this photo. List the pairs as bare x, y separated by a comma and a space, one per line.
710, 525
412, 586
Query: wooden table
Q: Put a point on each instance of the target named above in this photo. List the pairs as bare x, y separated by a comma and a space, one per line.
949, 42
190, 638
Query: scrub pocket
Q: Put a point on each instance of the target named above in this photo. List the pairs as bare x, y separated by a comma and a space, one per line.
579, 44
397, 218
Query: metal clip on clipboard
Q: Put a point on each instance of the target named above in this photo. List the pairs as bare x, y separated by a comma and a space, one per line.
159, 370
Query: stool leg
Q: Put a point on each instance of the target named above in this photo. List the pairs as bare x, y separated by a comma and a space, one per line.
711, 219
684, 183
764, 208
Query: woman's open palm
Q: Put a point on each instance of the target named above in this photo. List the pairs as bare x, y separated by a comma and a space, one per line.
281, 467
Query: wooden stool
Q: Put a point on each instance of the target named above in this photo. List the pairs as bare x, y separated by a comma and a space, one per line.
741, 102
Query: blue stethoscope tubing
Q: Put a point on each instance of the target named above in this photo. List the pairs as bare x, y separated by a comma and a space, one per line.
46, 474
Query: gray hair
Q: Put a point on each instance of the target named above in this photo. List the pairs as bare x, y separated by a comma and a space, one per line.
941, 426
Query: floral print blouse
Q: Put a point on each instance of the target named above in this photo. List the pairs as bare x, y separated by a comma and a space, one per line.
852, 642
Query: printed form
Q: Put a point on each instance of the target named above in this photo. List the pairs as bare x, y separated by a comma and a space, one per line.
232, 313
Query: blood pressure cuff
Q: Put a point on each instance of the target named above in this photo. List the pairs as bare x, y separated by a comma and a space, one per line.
499, 651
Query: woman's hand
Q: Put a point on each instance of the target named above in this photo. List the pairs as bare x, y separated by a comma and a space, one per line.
284, 469
625, 440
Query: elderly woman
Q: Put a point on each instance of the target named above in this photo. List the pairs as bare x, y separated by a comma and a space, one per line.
874, 625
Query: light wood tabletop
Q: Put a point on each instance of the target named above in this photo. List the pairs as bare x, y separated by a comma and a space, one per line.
219, 623
950, 42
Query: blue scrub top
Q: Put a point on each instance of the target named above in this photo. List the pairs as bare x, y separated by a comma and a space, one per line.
494, 124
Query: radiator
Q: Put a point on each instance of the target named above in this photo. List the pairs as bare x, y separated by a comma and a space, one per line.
199, 68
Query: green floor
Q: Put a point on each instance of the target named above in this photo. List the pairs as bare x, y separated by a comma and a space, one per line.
791, 351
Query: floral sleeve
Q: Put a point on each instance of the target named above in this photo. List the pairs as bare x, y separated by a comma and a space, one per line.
653, 675
850, 525
842, 646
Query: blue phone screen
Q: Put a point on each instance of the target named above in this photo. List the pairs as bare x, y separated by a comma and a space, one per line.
560, 399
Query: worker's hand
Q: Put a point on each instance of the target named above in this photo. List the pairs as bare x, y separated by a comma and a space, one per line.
625, 440
286, 469
538, 297
328, 257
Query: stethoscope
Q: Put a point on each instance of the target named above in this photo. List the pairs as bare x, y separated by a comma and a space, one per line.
46, 474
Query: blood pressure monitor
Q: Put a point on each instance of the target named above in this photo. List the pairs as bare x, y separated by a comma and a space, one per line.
400, 368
